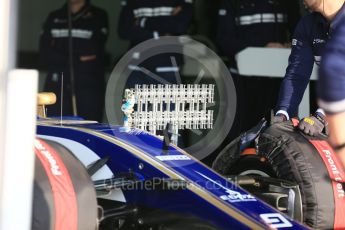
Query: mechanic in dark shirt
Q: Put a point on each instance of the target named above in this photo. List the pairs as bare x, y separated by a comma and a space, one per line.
141, 20
89, 34
253, 23
308, 43
331, 84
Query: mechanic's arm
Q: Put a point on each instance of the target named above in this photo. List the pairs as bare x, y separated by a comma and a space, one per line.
331, 89
227, 37
176, 24
129, 27
51, 58
298, 72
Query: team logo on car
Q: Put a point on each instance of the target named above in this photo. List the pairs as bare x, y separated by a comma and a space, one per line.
234, 196
275, 220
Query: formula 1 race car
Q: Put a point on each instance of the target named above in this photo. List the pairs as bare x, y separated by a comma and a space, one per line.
143, 182
141, 185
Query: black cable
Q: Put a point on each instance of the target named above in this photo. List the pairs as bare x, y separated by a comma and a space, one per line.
70, 59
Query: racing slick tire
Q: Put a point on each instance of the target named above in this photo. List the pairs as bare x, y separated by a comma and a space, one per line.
293, 156
64, 196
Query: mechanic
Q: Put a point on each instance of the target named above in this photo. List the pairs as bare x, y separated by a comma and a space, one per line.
152, 19
331, 85
252, 23
309, 40
89, 34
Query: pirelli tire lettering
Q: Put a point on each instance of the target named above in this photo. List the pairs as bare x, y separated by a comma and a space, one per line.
41, 149
64, 196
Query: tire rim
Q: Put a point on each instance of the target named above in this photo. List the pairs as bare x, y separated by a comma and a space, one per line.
254, 172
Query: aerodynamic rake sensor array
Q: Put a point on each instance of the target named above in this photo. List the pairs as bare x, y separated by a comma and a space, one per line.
152, 107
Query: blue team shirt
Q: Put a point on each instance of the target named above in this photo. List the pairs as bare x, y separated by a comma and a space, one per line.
308, 43
146, 19
141, 20
244, 23
331, 85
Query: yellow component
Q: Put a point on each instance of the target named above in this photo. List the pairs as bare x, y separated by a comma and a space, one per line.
309, 121
44, 99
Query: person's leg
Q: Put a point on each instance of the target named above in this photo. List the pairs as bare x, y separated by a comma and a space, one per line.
53, 84
251, 102
239, 120
90, 104
269, 92
90, 93
274, 88
260, 98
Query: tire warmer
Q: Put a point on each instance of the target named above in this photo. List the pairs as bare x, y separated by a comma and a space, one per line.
337, 175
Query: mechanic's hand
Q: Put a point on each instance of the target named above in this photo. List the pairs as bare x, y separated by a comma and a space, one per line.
87, 58
278, 118
176, 10
313, 125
